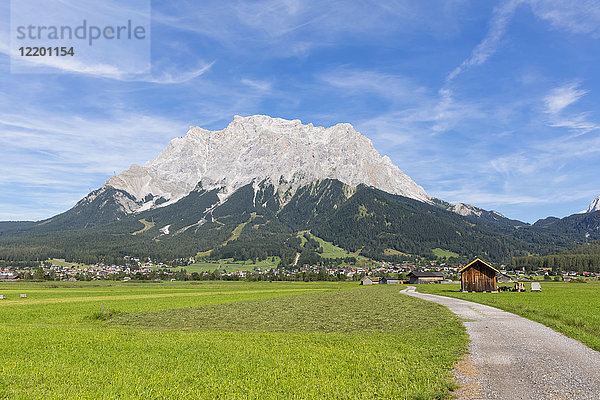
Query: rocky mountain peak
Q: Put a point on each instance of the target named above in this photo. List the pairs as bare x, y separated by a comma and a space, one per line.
594, 205
285, 153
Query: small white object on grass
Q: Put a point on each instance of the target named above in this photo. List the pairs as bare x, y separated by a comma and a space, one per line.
536, 287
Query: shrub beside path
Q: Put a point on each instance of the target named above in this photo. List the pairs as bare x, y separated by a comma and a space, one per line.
511, 357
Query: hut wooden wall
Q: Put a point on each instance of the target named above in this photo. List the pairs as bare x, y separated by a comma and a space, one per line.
479, 278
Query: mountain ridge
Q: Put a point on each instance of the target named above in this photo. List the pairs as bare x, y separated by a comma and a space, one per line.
268, 179
286, 153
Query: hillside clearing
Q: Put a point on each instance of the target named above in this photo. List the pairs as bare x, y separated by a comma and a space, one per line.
441, 253
147, 226
234, 235
62, 263
329, 249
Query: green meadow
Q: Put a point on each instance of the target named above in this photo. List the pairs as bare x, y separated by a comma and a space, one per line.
570, 308
441, 253
329, 249
227, 340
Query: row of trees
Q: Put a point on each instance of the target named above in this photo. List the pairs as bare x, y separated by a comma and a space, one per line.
569, 262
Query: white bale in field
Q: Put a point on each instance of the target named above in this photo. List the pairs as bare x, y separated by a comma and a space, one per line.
536, 287
23, 296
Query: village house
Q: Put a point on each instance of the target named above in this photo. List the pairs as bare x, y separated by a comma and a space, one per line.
425, 277
8, 277
370, 280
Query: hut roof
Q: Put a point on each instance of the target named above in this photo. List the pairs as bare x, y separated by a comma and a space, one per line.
474, 261
427, 274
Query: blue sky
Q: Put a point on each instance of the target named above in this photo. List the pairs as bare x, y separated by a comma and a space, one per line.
492, 103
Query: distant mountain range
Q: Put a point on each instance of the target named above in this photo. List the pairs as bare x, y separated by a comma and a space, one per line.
248, 190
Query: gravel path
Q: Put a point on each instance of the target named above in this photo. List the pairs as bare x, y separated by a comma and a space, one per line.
514, 358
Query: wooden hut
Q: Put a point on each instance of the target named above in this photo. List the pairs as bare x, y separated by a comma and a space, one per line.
478, 276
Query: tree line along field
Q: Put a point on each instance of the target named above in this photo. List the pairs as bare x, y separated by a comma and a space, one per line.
224, 340
569, 308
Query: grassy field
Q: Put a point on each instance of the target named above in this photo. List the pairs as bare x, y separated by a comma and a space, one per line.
330, 250
393, 252
570, 308
229, 340
441, 253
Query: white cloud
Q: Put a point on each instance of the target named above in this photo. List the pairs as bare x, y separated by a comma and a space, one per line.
577, 124
295, 27
51, 161
526, 164
563, 96
575, 16
558, 100
414, 112
488, 46
396, 88
489, 199
258, 85
53, 149
173, 76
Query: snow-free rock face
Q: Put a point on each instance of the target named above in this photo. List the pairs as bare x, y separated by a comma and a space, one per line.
594, 205
259, 148
466, 210
470, 211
